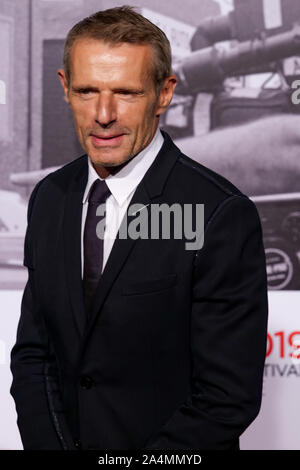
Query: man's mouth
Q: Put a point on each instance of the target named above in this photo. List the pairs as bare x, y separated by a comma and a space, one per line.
104, 140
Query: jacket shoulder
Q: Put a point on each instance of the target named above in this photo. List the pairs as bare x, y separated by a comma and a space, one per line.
55, 183
63, 176
68, 170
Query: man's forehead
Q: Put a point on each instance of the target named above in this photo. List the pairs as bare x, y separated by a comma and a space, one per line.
90, 55
86, 46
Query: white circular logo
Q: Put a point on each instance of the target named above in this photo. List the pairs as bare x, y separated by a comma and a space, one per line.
279, 268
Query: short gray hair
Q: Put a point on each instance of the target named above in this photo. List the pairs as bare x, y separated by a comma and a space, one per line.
123, 25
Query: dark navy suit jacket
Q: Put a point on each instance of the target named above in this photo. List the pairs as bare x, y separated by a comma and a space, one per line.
172, 356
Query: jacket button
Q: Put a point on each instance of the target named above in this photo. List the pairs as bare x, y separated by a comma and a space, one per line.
77, 444
86, 382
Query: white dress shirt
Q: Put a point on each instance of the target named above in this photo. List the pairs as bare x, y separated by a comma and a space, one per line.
122, 186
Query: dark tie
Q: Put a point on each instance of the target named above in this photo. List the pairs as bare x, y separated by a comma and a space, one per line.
92, 243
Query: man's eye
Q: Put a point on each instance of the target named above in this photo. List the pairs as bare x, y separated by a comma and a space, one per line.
84, 91
126, 92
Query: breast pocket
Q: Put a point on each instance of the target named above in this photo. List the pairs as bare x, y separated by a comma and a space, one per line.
147, 286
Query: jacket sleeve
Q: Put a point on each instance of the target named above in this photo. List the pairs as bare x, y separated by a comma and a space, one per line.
228, 334
35, 384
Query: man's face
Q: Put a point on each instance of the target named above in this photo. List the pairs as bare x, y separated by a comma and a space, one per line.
112, 96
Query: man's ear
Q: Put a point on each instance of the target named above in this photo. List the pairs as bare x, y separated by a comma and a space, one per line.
166, 94
63, 81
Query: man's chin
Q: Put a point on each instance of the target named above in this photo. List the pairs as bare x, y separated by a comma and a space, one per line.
112, 165
106, 164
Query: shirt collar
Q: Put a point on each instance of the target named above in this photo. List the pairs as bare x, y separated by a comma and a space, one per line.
127, 179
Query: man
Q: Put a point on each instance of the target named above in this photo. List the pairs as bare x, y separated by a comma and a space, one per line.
135, 343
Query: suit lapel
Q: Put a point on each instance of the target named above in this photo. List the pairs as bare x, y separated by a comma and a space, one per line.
72, 244
118, 255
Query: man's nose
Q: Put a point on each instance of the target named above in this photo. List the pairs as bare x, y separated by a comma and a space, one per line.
106, 113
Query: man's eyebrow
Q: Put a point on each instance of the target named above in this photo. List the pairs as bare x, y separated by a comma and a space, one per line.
79, 88
135, 91
132, 90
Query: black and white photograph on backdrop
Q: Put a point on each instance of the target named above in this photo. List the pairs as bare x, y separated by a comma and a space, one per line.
235, 110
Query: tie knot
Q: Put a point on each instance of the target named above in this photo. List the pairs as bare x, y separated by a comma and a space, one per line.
99, 192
